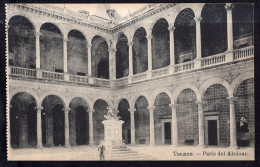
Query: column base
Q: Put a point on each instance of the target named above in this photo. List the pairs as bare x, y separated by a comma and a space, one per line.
174, 145
171, 69
149, 74
67, 145
39, 147
229, 56
151, 144
234, 147
201, 146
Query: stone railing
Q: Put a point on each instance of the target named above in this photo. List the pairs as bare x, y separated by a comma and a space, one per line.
184, 66
212, 60
239, 54
244, 53
121, 81
22, 72
160, 72
52, 75
140, 76
79, 79
101, 82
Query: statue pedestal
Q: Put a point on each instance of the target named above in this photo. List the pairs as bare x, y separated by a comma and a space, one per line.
113, 133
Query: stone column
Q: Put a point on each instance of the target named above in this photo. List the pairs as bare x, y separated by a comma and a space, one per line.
89, 60
174, 125
91, 136
151, 110
112, 63
172, 52
229, 53
201, 123
130, 45
38, 55
65, 59
39, 126
198, 43
149, 52
7, 42
132, 119
9, 128
229, 8
232, 117
67, 141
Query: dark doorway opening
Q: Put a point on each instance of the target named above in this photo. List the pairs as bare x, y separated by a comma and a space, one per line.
15, 126
58, 126
32, 125
103, 69
167, 132
212, 133
82, 128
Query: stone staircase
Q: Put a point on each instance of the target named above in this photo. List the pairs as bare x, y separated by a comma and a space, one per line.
126, 154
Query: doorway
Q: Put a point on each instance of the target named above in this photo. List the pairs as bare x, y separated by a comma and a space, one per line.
212, 130
82, 128
58, 126
167, 132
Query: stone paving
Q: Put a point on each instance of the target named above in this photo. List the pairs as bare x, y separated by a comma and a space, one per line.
137, 152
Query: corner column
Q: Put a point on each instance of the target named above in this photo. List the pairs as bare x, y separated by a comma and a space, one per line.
149, 52
151, 110
198, 42
89, 60
39, 126
130, 46
232, 126
91, 136
201, 123
66, 112
132, 119
172, 52
174, 125
65, 59
38, 55
229, 52
112, 63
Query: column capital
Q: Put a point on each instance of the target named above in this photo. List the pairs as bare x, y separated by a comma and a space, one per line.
38, 108
88, 45
200, 102
151, 108
112, 50
91, 111
197, 19
66, 109
229, 7
130, 43
132, 110
65, 39
37, 34
171, 28
149, 37
174, 105
232, 99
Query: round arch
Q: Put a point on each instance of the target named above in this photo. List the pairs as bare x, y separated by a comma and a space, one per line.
213, 81
238, 80
28, 17
25, 90
181, 87
133, 100
168, 19
55, 24
75, 29
163, 90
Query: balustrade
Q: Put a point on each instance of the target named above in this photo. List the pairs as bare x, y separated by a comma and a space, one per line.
52, 75
22, 72
215, 59
140, 76
244, 52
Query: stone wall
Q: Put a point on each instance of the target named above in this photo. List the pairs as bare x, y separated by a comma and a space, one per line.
187, 118
245, 108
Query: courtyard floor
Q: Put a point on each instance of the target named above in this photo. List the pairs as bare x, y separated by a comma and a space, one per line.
135, 152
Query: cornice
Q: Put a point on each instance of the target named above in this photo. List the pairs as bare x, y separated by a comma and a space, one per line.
152, 10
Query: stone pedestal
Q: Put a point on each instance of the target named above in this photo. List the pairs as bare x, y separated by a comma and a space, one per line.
113, 134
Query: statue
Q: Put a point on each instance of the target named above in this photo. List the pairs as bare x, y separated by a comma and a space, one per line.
111, 114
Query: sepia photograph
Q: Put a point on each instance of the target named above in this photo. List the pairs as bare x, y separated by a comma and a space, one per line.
130, 82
